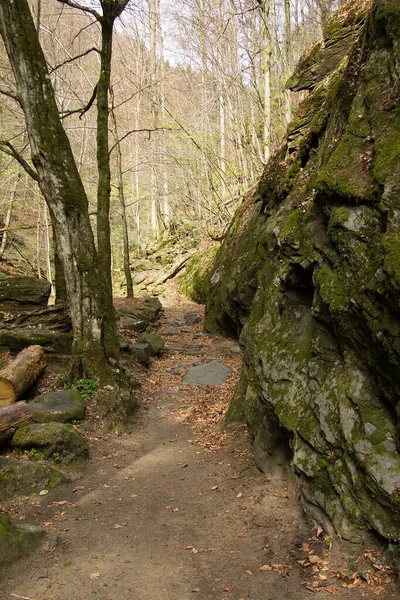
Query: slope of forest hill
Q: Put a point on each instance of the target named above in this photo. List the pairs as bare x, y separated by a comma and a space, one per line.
308, 277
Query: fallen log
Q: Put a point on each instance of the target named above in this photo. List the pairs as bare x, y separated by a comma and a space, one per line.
176, 268
21, 373
13, 416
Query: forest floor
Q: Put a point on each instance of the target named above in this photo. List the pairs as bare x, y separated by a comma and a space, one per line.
177, 510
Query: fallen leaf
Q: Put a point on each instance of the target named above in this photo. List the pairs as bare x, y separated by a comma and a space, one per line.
319, 530
215, 487
265, 568
314, 559
332, 590
196, 590
239, 495
78, 488
228, 588
95, 575
306, 548
43, 492
116, 526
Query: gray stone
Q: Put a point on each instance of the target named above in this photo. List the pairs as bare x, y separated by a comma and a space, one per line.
191, 318
17, 540
24, 477
18, 338
154, 340
124, 342
186, 348
61, 406
173, 322
23, 293
212, 373
132, 324
51, 440
141, 352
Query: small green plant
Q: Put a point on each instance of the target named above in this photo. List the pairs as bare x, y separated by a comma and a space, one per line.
86, 388
56, 457
32, 453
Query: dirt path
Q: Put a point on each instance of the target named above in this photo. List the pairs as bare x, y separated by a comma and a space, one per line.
175, 511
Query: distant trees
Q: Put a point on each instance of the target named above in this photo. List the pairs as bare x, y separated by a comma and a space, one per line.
199, 104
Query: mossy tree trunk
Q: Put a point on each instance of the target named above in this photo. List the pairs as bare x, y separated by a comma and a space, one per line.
89, 294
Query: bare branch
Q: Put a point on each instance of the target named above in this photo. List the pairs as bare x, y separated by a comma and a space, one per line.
69, 60
84, 109
91, 11
10, 94
149, 131
9, 149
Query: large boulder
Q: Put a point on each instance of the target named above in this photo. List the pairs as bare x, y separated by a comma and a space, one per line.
24, 477
23, 293
51, 440
309, 278
53, 342
61, 406
17, 540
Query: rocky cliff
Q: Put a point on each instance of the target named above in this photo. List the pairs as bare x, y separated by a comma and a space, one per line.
309, 278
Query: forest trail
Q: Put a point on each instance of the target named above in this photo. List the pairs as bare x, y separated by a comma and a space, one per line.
177, 510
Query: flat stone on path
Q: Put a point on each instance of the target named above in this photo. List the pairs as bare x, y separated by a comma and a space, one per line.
212, 373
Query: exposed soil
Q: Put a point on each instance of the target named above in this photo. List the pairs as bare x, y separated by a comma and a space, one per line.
177, 510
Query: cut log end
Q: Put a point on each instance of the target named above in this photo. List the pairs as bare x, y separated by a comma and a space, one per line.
21, 373
7, 392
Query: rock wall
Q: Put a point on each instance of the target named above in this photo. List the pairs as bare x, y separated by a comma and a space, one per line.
309, 278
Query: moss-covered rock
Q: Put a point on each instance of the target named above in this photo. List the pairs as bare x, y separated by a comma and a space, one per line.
61, 406
23, 293
17, 540
154, 340
308, 276
24, 477
51, 440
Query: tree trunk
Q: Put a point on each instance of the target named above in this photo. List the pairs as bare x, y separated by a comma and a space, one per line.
9, 211
122, 204
89, 294
20, 373
12, 417
103, 158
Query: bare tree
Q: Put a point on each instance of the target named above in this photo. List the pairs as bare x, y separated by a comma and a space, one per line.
89, 294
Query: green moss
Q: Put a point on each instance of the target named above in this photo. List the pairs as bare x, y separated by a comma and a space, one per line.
17, 540
388, 154
195, 282
333, 288
387, 16
292, 175
391, 247
347, 172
